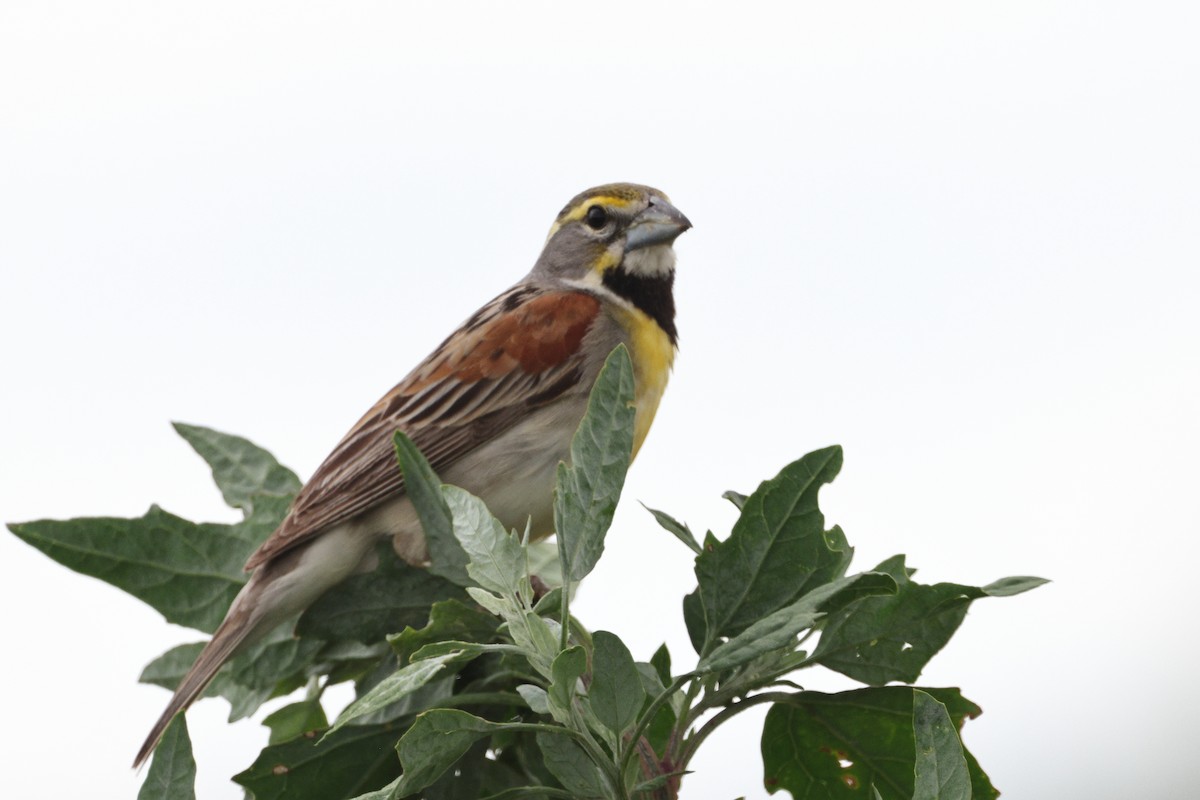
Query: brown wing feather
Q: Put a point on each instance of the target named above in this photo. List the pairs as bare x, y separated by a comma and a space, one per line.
518, 352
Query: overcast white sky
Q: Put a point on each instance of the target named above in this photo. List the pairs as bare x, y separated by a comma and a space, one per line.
958, 238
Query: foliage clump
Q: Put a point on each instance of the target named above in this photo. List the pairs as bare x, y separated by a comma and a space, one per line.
473, 680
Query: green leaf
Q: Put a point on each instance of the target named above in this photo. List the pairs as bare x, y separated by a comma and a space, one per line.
241, 469
772, 632
777, 551
571, 766
681, 531
779, 629
832, 746
940, 772
437, 739
535, 697
693, 619
449, 620
346, 764
447, 557
616, 694
369, 606
273, 665
891, 638
737, 498
497, 562
587, 492
661, 661
568, 667
172, 774
295, 720
188, 572
398, 685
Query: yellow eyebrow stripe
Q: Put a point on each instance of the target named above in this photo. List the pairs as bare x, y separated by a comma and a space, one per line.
576, 213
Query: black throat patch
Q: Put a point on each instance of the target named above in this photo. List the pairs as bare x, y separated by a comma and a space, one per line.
652, 295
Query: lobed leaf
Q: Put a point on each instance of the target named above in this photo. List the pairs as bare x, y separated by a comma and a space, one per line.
778, 549
891, 638
240, 468
834, 746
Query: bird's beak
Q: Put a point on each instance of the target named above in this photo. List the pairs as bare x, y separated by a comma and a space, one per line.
660, 223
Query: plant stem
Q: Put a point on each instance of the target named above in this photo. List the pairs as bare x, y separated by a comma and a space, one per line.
645, 721
694, 742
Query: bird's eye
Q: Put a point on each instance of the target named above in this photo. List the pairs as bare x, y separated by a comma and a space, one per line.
596, 217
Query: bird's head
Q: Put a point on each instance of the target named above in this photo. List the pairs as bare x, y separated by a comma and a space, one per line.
618, 237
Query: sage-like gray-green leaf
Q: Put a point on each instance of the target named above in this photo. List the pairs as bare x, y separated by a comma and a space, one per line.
940, 772
172, 774
402, 682
616, 694
446, 556
587, 492
496, 560
566, 670
571, 765
681, 531
240, 468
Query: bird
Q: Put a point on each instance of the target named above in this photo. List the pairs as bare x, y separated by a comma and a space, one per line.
493, 409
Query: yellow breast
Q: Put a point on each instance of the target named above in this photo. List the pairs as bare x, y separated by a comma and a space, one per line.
652, 354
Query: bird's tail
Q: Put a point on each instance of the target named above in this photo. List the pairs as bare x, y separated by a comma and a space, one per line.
238, 627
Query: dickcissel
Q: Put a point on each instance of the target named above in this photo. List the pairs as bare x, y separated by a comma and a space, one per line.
493, 409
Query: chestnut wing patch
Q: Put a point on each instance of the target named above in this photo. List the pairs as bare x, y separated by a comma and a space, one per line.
519, 352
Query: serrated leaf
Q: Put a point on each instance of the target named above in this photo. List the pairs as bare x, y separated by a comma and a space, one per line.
369, 606
571, 766
586, 493
449, 620
401, 683
241, 469
891, 638
496, 560
188, 572
446, 556
833, 746
295, 720
681, 531
346, 764
778, 549
616, 694
940, 771
172, 774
